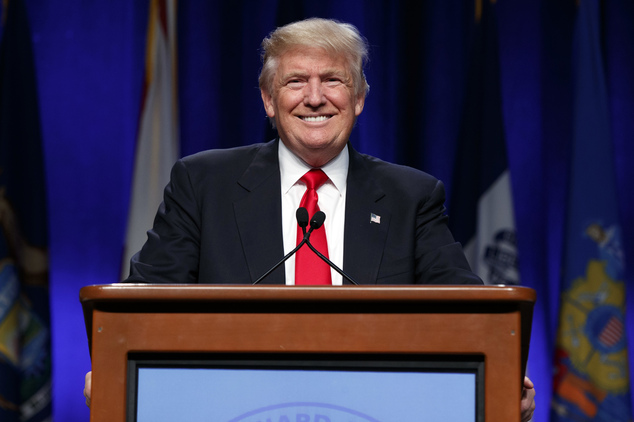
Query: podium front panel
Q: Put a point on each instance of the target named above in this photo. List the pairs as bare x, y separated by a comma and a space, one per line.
490, 324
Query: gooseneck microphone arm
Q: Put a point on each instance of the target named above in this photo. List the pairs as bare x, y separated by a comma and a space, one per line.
316, 222
302, 219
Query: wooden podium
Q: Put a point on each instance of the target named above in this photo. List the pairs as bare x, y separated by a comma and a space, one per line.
493, 322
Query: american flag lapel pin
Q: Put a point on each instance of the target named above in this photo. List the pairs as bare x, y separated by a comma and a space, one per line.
375, 218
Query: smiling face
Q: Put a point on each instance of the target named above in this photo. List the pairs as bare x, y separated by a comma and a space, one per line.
313, 104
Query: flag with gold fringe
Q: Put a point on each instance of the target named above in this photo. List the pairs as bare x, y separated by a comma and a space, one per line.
25, 358
591, 367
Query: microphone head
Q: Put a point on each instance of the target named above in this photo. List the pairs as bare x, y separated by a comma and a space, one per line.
302, 217
317, 220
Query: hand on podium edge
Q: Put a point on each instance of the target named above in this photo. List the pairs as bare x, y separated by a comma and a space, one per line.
88, 388
527, 405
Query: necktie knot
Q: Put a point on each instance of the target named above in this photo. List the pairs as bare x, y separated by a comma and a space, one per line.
314, 178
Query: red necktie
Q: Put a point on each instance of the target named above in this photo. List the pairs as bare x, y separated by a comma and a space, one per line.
309, 268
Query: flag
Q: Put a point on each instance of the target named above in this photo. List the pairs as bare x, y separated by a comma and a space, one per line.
591, 380
157, 142
481, 197
25, 358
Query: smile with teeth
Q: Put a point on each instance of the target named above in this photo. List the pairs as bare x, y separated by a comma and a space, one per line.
315, 118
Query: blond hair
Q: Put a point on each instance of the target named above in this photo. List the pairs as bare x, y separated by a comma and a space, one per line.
336, 38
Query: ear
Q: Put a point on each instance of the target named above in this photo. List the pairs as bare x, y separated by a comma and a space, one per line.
358, 105
267, 100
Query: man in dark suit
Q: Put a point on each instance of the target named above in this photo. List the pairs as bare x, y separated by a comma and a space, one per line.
228, 215
220, 223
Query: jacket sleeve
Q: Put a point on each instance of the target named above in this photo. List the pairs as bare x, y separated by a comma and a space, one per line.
171, 252
438, 257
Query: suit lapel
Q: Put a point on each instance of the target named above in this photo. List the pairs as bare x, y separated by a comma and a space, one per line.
367, 222
258, 215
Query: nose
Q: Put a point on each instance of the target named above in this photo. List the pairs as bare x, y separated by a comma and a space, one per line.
313, 94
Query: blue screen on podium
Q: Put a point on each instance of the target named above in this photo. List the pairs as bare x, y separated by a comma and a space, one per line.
308, 393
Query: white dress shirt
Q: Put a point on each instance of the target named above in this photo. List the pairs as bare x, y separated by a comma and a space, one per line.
332, 201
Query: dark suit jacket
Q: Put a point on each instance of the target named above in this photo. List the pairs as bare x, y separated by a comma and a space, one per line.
220, 222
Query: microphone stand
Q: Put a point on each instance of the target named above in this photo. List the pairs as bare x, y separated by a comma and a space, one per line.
329, 262
316, 222
302, 219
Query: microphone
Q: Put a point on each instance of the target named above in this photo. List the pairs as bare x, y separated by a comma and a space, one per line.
302, 219
316, 222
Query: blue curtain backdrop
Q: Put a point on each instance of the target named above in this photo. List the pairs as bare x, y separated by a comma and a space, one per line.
89, 62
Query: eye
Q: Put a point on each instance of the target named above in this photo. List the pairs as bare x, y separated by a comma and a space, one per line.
333, 81
295, 83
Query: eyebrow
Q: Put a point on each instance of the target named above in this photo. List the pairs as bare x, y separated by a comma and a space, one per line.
325, 73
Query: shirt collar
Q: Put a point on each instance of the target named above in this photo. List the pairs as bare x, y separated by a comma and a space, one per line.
292, 168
